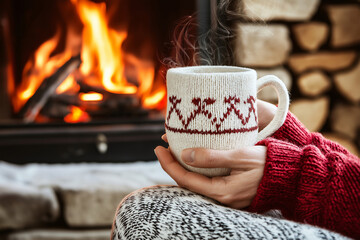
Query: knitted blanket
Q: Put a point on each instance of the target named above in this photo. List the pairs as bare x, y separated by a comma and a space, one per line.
170, 212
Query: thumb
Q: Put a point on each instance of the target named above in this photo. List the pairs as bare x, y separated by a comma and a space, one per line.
244, 158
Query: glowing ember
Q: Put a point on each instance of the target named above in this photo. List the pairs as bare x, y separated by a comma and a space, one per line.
76, 115
91, 96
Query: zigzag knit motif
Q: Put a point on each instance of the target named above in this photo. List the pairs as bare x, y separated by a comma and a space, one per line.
201, 108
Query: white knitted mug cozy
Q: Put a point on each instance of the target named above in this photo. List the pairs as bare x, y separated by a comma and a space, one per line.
215, 107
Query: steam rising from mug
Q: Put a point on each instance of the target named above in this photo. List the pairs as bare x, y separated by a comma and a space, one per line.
212, 47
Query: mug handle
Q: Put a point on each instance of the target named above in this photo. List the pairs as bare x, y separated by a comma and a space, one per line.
283, 104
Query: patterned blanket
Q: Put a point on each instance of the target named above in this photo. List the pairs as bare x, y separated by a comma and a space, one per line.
170, 212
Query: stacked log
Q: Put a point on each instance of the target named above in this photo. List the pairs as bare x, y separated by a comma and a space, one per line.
315, 46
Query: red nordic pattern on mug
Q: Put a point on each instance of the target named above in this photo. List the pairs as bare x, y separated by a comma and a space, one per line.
201, 106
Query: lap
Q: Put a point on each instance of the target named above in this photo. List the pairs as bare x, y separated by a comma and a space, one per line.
170, 212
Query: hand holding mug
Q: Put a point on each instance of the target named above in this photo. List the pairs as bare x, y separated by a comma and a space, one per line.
236, 190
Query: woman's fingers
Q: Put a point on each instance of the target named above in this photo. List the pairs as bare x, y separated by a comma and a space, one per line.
236, 190
208, 158
266, 112
184, 178
245, 158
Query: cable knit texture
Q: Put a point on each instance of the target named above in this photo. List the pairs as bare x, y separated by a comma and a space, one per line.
310, 179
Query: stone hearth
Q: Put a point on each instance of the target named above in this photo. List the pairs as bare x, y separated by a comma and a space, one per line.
68, 201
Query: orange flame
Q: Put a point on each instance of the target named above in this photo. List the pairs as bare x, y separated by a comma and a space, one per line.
152, 101
105, 66
91, 96
76, 115
37, 69
68, 85
102, 46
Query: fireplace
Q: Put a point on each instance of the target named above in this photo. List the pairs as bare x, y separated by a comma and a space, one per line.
83, 81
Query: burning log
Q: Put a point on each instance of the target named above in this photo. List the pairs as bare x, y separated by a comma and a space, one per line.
114, 105
47, 88
114, 101
109, 104
55, 110
84, 87
109, 100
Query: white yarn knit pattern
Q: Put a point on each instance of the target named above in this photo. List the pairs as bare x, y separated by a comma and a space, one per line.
169, 212
215, 107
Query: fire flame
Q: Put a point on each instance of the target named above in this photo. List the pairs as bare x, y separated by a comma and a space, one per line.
153, 100
76, 115
104, 65
37, 69
102, 45
68, 85
91, 96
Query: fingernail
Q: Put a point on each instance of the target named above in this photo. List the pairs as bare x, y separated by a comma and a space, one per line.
155, 151
163, 137
188, 155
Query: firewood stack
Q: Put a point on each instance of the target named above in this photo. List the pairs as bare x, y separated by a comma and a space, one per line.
313, 46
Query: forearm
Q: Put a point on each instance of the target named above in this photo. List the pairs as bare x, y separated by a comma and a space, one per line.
310, 186
293, 131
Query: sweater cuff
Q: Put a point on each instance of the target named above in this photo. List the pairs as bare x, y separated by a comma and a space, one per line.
293, 131
277, 189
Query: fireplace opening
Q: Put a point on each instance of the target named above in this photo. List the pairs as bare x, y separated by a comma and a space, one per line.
84, 80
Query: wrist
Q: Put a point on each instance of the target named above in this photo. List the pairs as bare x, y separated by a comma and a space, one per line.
277, 188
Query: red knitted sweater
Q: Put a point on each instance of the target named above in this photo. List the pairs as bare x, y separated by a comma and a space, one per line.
310, 179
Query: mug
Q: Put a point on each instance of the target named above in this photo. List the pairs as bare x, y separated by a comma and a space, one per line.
215, 107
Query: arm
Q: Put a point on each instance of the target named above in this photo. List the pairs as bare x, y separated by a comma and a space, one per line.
293, 131
314, 181
309, 185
